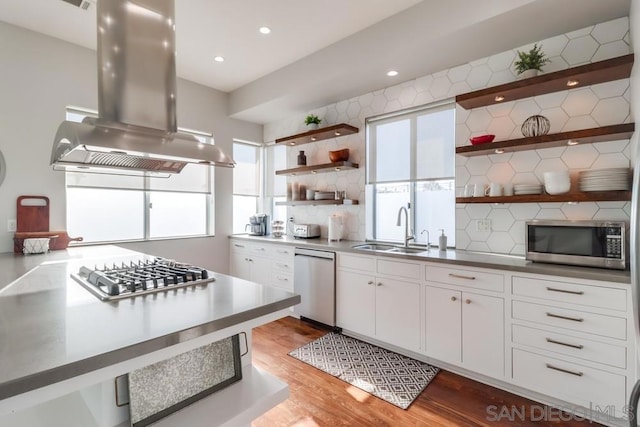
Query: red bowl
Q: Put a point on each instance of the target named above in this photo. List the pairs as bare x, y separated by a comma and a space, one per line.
481, 139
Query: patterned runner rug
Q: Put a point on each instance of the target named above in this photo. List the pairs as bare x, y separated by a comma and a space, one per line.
390, 376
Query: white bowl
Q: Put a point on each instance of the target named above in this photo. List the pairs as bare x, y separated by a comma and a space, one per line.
35, 246
557, 182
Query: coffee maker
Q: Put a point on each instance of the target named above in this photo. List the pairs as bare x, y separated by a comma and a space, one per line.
258, 225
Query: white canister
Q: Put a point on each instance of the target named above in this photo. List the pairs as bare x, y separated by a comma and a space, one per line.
335, 228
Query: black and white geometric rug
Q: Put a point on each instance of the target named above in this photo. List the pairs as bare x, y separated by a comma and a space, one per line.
390, 376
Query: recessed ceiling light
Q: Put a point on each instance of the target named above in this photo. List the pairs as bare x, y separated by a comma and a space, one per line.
392, 73
572, 83
499, 98
218, 59
265, 30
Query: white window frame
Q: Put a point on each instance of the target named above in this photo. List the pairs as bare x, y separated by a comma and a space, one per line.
370, 173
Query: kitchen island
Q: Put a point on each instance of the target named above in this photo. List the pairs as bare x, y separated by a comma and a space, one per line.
58, 338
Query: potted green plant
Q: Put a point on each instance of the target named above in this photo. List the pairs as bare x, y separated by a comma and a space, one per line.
530, 63
312, 121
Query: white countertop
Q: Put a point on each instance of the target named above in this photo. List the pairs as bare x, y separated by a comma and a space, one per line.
454, 256
52, 329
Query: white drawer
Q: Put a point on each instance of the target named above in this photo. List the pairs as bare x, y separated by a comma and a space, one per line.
282, 265
461, 277
576, 293
581, 348
239, 246
568, 381
260, 249
282, 252
400, 269
356, 262
608, 326
282, 280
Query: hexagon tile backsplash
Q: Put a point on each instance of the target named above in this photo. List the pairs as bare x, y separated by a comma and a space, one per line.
588, 107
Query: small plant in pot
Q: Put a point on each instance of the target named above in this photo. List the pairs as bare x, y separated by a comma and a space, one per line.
530, 63
312, 121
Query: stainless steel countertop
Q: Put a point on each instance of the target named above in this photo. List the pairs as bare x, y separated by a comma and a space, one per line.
457, 257
52, 329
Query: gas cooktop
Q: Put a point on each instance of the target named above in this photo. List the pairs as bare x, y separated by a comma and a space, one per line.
131, 279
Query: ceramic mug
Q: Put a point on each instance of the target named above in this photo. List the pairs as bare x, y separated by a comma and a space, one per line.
468, 190
507, 189
494, 190
478, 190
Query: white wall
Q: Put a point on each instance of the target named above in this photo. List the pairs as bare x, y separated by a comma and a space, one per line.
578, 109
39, 77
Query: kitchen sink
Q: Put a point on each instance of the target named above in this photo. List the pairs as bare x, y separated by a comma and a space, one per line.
373, 247
404, 250
376, 247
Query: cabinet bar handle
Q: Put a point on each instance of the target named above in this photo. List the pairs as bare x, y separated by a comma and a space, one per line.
454, 299
259, 249
279, 264
558, 316
460, 276
370, 282
238, 246
282, 278
566, 371
578, 346
564, 291
379, 283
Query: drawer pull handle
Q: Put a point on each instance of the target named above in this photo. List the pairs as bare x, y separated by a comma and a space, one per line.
259, 249
379, 284
558, 316
566, 371
282, 278
280, 251
370, 282
564, 291
578, 346
454, 299
282, 265
238, 246
467, 301
460, 276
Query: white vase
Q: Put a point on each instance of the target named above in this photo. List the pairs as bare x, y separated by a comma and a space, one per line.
527, 73
312, 126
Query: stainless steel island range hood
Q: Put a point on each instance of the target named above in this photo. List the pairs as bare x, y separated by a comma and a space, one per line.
136, 129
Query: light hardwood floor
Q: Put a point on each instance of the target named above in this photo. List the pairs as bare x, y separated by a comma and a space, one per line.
318, 399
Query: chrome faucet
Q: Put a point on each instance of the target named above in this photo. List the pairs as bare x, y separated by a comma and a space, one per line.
407, 236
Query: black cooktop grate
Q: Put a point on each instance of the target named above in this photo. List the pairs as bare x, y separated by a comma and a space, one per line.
124, 280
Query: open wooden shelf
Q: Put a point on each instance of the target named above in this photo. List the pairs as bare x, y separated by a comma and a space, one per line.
328, 132
326, 167
600, 196
589, 74
583, 136
315, 202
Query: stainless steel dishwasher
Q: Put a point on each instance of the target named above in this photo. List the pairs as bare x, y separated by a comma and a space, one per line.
314, 278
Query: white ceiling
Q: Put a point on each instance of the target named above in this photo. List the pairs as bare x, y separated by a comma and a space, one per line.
325, 51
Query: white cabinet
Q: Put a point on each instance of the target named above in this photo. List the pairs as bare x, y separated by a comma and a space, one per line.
573, 340
262, 263
466, 329
355, 302
378, 305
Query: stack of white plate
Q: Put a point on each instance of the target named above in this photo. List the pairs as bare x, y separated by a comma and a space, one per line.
612, 179
522, 189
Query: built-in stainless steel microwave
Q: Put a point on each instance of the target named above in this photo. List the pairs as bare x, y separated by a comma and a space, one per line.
587, 243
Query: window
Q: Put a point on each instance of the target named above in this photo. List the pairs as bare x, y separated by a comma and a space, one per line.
107, 208
246, 183
276, 185
411, 163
